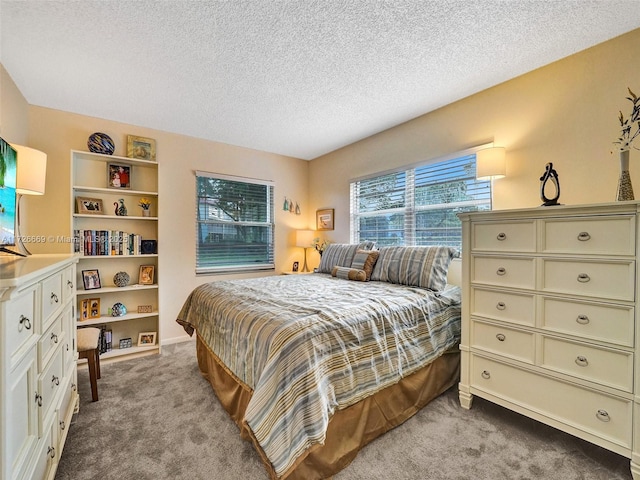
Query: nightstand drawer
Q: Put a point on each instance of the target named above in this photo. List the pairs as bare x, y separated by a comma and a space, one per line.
595, 235
504, 271
509, 307
609, 323
609, 367
504, 237
593, 412
613, 280
503, 341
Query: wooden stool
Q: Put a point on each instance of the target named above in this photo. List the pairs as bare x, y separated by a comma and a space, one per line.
88, 348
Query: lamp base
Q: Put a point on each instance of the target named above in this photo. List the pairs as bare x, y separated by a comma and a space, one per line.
22, 250
305, 268
6, 250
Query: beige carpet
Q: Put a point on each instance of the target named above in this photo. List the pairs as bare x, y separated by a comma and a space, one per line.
158, 419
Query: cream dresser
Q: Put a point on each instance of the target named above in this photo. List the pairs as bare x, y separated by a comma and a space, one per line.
37, 363
549, 326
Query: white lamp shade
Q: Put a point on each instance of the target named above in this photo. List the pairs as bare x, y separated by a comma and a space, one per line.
32, 170
491, 163
304, 238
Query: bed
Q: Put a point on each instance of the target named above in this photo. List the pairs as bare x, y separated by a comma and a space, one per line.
314, 367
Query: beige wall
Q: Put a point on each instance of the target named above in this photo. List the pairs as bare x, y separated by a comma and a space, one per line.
57, 133
565, 113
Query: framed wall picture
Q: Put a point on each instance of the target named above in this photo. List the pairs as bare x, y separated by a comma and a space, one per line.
147, 274
91, 279
324, 219
147, 339
118, 175
94, 308
91, 206
141, 147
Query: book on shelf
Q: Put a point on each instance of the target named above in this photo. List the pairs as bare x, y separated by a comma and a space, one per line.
106, 242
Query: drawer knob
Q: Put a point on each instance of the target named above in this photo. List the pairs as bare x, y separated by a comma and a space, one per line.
603, 416
501, 236
51, 452
38, 399
501, 306
501, 271
73, 387
582, 361
55, 380
70, 284
62, 425
584, 236
486, 375
582, 319
54, 338
501, 337
583, 278
24, 322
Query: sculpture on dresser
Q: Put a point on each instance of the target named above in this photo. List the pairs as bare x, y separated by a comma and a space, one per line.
625, 142
549, 175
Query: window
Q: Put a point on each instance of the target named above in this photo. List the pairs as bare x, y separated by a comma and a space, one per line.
418, 205
234, 223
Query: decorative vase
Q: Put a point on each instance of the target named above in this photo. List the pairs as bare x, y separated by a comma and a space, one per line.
625, 189
121, 279
146, 212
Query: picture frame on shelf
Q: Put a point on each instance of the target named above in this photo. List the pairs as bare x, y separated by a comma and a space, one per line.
147, 339
84, 309
91, 279
324, 219
141, 148
147, 274
125, 343
119, 175
94, 308
89, 206
145, 309
295, 266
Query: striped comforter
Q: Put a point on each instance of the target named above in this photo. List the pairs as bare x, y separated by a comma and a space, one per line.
310, 344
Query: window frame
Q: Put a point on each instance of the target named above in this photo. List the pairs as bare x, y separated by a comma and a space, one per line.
269, 264
410, 209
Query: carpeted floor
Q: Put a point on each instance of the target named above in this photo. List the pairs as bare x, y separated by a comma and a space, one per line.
158, 419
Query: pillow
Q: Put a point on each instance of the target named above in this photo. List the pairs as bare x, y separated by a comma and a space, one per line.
424, 267
349, 274
365, 260
340, 254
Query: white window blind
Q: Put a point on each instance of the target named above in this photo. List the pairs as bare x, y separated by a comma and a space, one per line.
235, 223
418, 205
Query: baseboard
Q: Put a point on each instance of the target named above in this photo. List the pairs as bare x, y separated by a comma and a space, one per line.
180, 339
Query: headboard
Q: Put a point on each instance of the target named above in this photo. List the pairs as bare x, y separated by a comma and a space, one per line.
454, 274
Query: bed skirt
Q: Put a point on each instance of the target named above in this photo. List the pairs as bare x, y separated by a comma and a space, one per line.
350, 429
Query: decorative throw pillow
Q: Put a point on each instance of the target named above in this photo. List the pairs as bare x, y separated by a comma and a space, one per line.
340, 254
424, 267
349, 274
365, 260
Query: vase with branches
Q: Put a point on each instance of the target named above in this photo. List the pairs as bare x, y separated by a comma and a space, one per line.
629, 131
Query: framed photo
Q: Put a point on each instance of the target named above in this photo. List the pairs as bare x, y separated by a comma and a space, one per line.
147, 339
324, 219
94, 308
91, 279
118, 175
92, 206
141, 147
84, 309
146, 275
295, 266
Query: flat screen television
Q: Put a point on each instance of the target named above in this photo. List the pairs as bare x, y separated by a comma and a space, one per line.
8, 179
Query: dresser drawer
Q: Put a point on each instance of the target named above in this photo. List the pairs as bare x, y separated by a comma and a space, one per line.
608, 323
49, 386
51, 298
503, 341
504, 271
49, 342
609, 367
504, 236
591, 235
20, 323
509, 307
68, 283
613, 280
587, 410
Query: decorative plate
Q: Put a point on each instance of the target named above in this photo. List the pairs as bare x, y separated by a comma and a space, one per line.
121, 279
100, 143
118, 310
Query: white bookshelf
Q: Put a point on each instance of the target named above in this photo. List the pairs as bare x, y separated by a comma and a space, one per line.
89, 178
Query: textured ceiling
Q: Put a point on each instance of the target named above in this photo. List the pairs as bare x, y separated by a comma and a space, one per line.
299, 78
